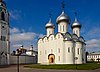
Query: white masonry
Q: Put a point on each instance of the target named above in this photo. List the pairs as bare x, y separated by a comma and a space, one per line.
4, 34
62, 47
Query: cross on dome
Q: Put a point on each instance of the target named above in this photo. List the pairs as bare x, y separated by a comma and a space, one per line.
1, 0
63, 5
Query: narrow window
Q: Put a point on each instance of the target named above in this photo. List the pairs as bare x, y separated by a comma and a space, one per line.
45, 52
78, 51
45, 40
3, 38
40, 52
58, 36
76, 32
51, 38
49, 32
68, 49
60, 28
2, 16
63, 27
58, 50
51, 50
58, 58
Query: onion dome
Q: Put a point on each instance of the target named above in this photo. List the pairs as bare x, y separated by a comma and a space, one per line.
2, 3
50, 24
76, 24
63, 17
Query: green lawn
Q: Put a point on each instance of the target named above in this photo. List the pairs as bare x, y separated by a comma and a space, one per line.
88, 66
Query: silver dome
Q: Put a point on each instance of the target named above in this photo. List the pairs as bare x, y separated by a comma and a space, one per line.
76, 23
63, 17
49, 24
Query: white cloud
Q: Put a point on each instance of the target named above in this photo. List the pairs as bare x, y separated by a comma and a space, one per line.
16, 45
14, 30
19, 37
23, 36
93, 43
15, 14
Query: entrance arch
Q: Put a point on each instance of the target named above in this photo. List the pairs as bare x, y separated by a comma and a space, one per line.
51, 58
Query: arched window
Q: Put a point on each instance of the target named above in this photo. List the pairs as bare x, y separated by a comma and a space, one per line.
58, 50
40, 52
63, 27
51, 38
49, 32
68, 49
2, 16
45, 52
78, 51
58, 58
76, 31
58, 36
60, 28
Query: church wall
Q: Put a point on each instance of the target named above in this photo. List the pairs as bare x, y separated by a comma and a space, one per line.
69, 52
84, 53
45, 52
78, 52
39, 50
59, 54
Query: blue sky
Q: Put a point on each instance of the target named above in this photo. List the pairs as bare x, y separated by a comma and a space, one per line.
28, 19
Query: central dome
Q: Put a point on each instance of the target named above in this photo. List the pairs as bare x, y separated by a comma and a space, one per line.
63, 17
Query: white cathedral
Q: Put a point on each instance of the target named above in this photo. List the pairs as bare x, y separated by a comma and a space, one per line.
4, 34
63, 47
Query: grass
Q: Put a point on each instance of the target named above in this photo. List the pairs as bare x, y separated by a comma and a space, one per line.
88, 66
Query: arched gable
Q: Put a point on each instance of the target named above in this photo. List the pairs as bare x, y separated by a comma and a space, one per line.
40, 40
59, 35
51, 37
45, 39
67, 36
75, 37
81, 39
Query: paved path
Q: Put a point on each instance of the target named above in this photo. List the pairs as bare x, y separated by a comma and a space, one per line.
22, 69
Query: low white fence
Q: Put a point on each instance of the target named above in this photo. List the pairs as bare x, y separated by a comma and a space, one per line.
23, 59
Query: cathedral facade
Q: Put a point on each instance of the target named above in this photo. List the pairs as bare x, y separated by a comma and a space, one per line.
4, 34
62, 47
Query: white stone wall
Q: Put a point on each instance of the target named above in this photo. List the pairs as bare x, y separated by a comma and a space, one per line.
4, 44
23, 59
50, 46
69, 52
84, 53
78, 52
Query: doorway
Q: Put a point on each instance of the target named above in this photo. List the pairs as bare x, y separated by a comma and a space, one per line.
51, 58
